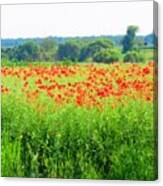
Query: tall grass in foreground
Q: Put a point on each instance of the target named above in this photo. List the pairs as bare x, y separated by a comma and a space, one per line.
76, 142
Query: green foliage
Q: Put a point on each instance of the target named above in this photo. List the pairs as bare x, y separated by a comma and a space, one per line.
48, 48
107, 55
27, 52
129, 39
8, 54
91, 49
48, 44
134, 56
4, 54
68, 51
74, 142
150, 40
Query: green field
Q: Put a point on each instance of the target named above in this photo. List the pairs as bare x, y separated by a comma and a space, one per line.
99, 136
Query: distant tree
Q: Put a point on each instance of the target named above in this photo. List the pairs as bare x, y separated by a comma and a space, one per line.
27, 52
9, 53
151, 40
68, 51
129, 38
4, 55
48, 49
48, 44
95, 46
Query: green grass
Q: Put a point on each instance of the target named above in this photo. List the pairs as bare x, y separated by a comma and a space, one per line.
149, 54
74, 142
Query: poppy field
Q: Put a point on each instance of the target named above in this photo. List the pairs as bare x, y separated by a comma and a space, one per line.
88, 121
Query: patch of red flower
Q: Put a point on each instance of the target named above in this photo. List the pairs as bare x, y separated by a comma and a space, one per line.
83, 85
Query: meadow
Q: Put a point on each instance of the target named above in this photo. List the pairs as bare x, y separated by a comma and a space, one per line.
86, 120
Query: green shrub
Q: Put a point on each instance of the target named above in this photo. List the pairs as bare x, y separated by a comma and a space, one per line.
88, 51
107, 55
134, 56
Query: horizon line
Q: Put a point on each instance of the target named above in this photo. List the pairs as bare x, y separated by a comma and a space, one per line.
77, 36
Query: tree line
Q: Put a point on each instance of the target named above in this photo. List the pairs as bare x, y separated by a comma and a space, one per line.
99, 49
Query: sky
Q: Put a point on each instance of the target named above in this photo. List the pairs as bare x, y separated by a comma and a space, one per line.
75, 19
